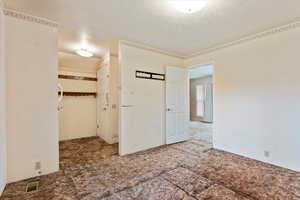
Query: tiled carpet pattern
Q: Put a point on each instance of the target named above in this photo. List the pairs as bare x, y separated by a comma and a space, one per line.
92, 170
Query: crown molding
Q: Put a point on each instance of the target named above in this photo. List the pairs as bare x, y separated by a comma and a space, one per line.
145, 47
29, 18
263, 34
256, 36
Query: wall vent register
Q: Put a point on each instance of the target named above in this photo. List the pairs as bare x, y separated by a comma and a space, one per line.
32, 187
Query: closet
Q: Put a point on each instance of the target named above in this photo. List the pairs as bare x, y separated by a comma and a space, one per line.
108, 91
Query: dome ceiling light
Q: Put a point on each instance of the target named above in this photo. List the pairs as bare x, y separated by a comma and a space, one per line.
189, 6
84, 53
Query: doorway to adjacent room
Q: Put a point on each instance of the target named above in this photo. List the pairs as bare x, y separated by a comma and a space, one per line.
201, 102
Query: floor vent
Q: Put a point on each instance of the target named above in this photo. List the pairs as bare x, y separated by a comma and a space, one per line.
32, 187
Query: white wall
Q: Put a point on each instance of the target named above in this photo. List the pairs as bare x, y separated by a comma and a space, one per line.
103, 107
114, 98
78, 117
142, 126
108, 99
32, 118
257, 95
2, 107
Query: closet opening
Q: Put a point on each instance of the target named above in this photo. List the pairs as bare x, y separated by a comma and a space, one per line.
88, 108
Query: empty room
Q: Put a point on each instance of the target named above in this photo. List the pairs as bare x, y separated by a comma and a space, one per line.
149, 100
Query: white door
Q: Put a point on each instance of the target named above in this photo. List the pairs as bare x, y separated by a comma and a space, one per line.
177, 107
142, 113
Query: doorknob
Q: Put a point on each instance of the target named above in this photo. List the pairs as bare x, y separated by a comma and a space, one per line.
169, 109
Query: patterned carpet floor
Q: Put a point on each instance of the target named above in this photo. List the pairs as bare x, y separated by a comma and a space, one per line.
92, 170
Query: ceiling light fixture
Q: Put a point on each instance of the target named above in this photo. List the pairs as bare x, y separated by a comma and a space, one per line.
84, 53
189, 6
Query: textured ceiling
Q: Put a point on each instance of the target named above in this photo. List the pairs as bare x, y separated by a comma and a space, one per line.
159, 25
70, 40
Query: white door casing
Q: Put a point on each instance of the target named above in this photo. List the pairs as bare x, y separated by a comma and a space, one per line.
177, 104
103, 102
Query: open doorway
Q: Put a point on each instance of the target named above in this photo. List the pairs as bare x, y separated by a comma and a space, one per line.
201, 102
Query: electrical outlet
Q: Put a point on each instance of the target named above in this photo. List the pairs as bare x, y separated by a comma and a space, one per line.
267, 154
38, 167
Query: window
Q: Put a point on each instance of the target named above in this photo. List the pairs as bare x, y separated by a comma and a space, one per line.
200, 100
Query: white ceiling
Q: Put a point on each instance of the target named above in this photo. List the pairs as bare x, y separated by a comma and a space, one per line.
157, 24
70, 40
